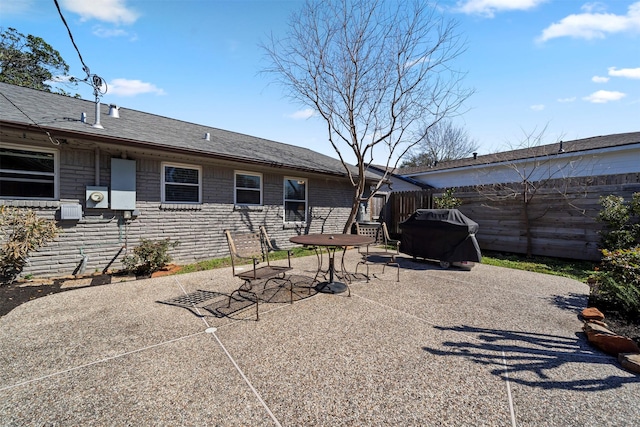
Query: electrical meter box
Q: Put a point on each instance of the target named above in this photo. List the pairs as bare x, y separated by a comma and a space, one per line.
97, 198
123, 184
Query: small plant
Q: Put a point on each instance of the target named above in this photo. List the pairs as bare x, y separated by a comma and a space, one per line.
617, 281
622, 221
23, 232
447, 200
149, 256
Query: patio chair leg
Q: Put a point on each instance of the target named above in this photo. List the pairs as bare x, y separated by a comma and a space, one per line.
255, 299
290, 292
393, 264
366, 264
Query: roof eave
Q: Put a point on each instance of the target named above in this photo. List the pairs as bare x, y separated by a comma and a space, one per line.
62, 133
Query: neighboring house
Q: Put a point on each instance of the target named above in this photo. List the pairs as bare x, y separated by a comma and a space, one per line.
551, 198
397, 182
596, 156
376, 210
132, 175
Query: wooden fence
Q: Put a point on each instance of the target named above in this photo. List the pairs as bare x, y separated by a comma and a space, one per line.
402, 204
562, 214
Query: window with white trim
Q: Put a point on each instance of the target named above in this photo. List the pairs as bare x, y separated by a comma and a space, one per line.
295, 200
181, 183
28, 173
248, 188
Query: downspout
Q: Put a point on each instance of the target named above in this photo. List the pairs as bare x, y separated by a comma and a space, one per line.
85, 258
83, 264
97, 171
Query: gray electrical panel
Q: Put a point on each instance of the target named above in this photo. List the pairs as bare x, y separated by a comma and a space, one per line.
123, 184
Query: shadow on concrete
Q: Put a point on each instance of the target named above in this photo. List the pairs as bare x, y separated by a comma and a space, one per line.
15, 294
202, 303
511, 353
572, 302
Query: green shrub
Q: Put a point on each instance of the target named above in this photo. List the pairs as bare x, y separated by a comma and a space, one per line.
149, 256
622, 221
447, 200
617, 281
23, 232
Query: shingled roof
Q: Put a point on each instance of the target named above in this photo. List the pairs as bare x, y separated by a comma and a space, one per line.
391, 172
60, 115
578, 145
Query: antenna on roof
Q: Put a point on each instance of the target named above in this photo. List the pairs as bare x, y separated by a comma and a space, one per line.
98, 83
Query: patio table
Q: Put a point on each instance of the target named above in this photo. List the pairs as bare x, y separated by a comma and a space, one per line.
332, 242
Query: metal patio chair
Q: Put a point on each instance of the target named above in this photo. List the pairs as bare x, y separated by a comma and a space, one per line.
383, 251
252, 249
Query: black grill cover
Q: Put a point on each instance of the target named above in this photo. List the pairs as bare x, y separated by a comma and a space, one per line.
440, 234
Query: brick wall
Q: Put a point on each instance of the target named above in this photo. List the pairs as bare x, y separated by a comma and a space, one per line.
102, 237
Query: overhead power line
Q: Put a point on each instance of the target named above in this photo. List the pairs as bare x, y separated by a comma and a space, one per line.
64, 21
53, 140
94, 80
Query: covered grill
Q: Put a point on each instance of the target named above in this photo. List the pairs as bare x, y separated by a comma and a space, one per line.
440, 234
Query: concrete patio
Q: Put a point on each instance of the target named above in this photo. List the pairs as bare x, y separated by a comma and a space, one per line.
490, 346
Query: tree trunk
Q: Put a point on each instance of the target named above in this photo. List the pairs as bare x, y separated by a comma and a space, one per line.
352, 215
527, 219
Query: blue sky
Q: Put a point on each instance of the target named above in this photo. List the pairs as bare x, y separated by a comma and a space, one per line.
567, 65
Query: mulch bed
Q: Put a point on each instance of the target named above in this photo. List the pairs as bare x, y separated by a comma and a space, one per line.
11, 296
14, 294
622, 326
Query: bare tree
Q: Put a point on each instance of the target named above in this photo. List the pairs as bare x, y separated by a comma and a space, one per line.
530, 169
380, 74
442, 142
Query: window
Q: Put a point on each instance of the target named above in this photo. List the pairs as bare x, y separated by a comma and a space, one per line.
181, 183
248, 188
28, 173
295, 200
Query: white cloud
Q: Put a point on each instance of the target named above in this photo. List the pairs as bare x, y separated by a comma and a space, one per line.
114, 11
13, 7
488, 8
302, 114
630, 73
591, 25
110, 32
125, 87
599, 79
60, 79
604, 96
413, 62
593, 7
537, 107
565, 100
